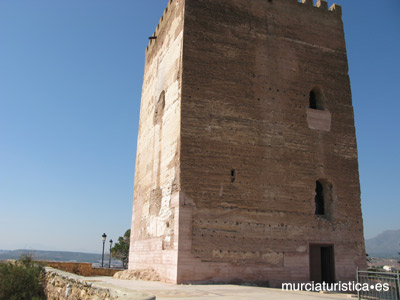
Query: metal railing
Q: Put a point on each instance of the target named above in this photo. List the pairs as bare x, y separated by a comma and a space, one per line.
381, 285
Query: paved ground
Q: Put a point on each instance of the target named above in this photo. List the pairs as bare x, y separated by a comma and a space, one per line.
165, 291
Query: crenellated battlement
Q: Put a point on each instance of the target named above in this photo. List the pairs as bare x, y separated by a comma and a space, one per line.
167, 11
335, 9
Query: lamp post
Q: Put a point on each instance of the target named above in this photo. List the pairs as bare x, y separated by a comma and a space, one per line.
104, 236
109, 263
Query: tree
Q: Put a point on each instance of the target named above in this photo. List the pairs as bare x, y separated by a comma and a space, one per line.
121, 248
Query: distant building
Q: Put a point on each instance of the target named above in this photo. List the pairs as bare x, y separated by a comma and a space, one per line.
247, 166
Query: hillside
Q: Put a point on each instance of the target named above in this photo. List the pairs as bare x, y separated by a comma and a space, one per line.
386, 244
52, 255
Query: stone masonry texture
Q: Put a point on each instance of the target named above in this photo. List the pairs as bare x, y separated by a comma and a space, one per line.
230, 150
61, 285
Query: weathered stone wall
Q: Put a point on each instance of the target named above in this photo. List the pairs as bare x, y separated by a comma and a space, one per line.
83, 269
66, 286
252, 149
104, 272
155, 213
229, 150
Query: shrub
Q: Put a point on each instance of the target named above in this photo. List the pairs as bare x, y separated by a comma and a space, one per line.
21, 280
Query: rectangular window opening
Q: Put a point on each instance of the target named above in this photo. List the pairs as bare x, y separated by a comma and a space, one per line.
233, 175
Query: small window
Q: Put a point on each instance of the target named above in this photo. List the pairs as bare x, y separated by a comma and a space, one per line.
313, 100
233, 175
317, 99
323, 199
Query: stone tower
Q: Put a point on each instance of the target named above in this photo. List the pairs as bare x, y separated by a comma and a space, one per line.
247, 162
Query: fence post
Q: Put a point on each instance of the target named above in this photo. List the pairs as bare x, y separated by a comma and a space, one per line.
398, 285
358, 290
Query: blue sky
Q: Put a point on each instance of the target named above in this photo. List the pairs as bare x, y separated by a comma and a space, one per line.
70, 84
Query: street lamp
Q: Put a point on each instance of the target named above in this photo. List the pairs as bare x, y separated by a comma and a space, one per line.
104, 236
109, 263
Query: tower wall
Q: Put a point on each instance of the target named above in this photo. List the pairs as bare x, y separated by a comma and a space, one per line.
155, 231
252, 150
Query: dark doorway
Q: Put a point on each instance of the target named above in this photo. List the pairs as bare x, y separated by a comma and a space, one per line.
322, 263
